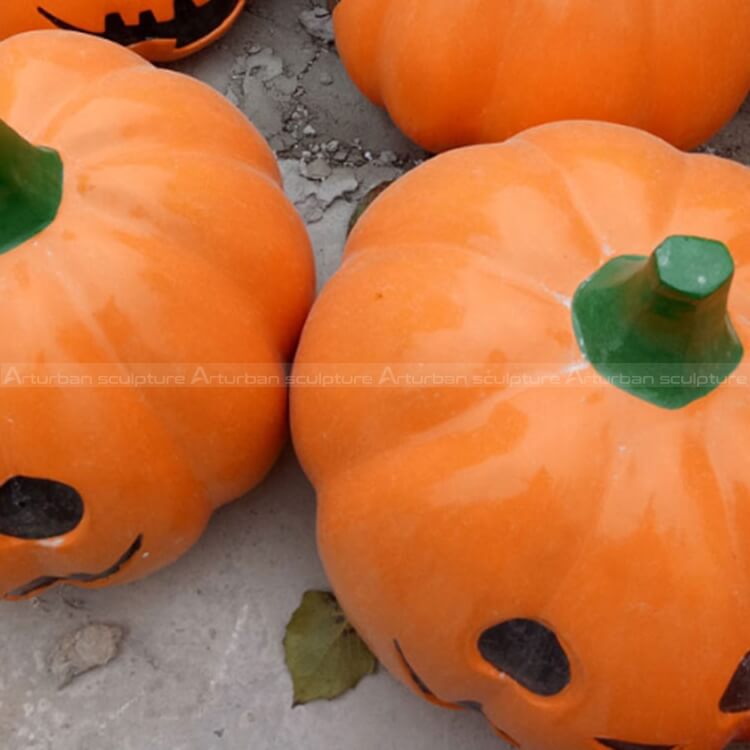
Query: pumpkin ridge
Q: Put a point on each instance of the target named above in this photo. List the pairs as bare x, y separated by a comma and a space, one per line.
81, 94
481, 110
516, 148
42, 127
566, 186
115, 356
186, 93
79, 303
187, 251
194, 154
519, 280
424, 439
718, 462
365, 263
149, 381
390, 9
719, 536
497, 91
648, 42
676, 197
58, 273
249, 303
492, 399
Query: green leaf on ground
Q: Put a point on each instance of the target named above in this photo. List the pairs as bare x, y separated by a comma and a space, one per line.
324, 654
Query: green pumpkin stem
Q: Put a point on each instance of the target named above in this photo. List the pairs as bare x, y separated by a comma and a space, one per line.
31, 181
658, 327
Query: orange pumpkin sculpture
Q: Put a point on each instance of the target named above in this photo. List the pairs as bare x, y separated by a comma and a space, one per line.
152, 272
160, 30
455, 73
509, 529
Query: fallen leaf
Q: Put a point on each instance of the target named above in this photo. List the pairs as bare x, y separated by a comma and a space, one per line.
324, 654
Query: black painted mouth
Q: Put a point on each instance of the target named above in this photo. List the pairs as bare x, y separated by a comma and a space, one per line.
190, 23
39, 584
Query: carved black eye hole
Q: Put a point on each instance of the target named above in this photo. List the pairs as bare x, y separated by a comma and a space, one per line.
736, 697
528, 652
38, 508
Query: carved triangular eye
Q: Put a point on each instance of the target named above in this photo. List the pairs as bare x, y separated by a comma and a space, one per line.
530, 653
736, 697
32, 508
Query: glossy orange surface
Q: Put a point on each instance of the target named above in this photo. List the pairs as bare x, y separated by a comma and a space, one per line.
445, 510
456, 73
174, 248
160, 30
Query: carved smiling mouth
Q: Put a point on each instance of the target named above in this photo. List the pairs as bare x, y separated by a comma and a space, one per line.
39, 584
430, 696
190, 23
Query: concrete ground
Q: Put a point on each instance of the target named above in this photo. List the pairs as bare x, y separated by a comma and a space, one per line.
201, 665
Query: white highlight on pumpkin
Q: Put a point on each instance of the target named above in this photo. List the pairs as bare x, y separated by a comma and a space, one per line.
563, 299
54, 542
575, 367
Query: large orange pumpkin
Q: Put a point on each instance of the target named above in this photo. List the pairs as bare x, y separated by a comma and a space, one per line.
154, 280
455, 73
158, 29
509, 516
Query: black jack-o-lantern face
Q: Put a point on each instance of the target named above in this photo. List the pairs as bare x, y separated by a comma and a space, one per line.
43, 509
160, 30
530, 654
